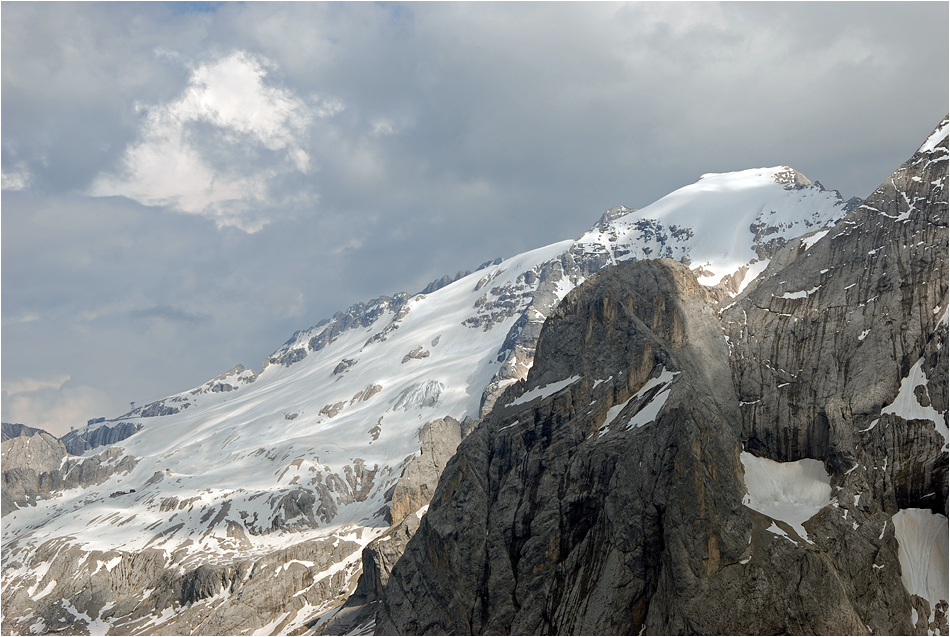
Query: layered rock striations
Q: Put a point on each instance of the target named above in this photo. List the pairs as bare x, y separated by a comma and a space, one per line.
609, 492
14, 430
78, 442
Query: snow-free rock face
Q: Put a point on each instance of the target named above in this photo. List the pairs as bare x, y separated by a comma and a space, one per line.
439, 439
28, 462
253, 502
779, 466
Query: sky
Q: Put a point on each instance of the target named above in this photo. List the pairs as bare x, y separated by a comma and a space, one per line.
184, 185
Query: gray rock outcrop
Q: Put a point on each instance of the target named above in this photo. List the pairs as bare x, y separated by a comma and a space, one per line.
358, 613
418, 353
37, 467
604, 494
407, 501
439, 439
30, 464
440, 283
541, 511
15, 429
80, 441
211, 599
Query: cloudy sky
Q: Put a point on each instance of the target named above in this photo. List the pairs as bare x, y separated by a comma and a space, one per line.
185, 185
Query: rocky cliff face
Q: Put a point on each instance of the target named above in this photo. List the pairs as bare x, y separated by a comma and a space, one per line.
671, 466
78, 442
554, 494
37, 467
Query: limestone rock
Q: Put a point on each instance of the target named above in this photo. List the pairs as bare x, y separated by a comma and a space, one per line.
14, 429
82, 440
604, 494
418, 354
211, 599
36, 467
438, 284
439, 439
378, 559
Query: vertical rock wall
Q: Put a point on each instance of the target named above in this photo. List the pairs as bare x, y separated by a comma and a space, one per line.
604, 494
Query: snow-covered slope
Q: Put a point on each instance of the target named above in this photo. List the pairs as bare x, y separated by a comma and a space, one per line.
720, 224
308, 450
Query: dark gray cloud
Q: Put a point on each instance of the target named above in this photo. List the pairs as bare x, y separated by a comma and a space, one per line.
388, 144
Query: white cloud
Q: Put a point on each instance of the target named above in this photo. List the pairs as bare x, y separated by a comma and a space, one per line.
27, 385
48, 403
55, 410
15, 180
26, 317
222, 147
382, 126
354, 243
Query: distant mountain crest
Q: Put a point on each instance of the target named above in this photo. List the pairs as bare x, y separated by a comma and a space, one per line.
14, 430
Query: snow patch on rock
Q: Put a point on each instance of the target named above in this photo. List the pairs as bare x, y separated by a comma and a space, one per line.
792, 492
922, 551
907, 405
543, 392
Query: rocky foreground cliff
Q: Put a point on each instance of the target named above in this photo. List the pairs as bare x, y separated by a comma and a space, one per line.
772, 464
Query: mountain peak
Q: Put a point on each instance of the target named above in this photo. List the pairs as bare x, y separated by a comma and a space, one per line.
785, 175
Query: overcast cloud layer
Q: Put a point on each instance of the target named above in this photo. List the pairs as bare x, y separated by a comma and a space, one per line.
185, 185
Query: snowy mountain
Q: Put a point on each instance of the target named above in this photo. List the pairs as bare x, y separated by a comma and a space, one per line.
244, 505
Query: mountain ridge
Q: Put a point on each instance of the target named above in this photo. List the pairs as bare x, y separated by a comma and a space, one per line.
285, 484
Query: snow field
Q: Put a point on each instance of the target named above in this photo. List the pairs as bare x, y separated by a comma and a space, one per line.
922, 551
940, 134
718, 209
647, 412
792, 492
238, 445
543, 392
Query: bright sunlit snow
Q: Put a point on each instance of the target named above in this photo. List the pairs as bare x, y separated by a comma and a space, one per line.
648, 411
709, 221
940, 134
545, 391
808, 242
